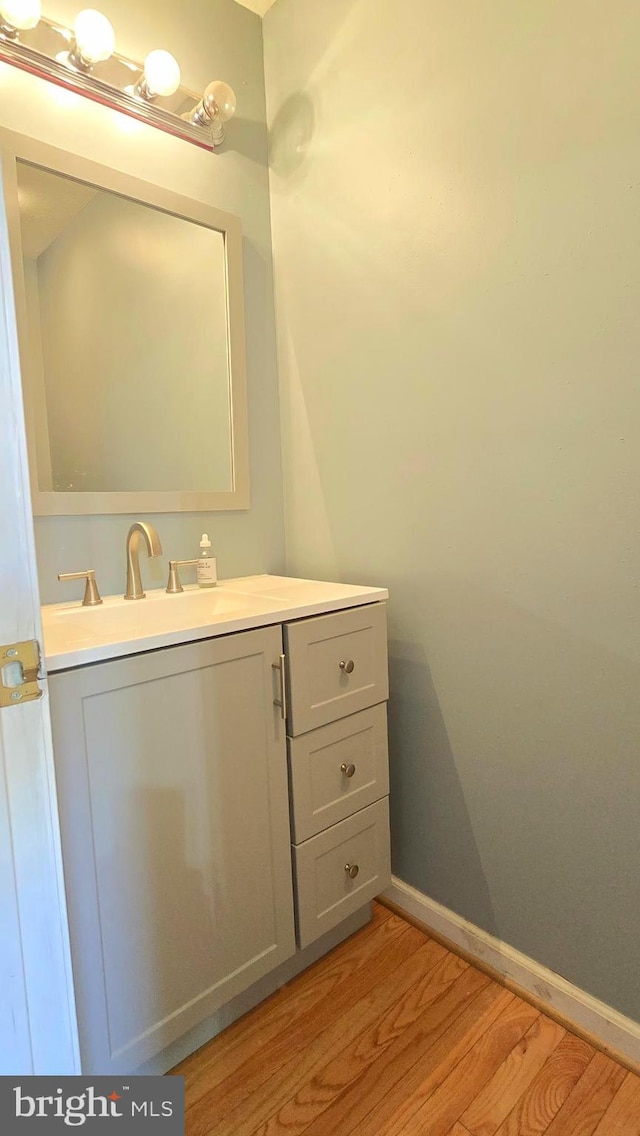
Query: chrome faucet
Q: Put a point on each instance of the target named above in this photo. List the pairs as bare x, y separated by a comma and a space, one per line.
154, 548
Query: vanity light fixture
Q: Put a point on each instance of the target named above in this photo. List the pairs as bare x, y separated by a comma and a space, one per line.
84, 60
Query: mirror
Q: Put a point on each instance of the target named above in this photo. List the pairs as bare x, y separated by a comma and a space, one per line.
134, 384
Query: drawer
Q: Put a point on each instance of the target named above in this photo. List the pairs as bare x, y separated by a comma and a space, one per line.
337, 770
325, 892
337, 665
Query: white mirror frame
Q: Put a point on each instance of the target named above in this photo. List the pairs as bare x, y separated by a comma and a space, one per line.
15, 148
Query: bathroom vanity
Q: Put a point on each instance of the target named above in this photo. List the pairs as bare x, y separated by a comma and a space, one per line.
222, 773
221, 755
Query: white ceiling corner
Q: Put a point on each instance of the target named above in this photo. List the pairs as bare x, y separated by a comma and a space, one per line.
259, 6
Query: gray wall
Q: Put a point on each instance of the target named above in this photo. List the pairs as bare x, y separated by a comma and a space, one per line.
211, 39
456, 223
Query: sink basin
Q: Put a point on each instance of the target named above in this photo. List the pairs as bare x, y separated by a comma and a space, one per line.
72, 627
75, 635
160, 612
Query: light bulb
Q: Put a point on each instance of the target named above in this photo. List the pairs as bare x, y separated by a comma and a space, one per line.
22, 14
95, 38
219, 101
162, 73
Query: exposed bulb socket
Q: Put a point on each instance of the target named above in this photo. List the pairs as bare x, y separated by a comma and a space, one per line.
18, 16
142, 90
75, 60
94, 40
217, 106
160, 76
7, 31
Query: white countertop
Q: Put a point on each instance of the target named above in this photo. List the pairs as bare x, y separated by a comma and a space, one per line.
75, 635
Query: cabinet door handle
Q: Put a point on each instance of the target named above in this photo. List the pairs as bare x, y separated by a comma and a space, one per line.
282, 700
349, 769
346, 665
351, 870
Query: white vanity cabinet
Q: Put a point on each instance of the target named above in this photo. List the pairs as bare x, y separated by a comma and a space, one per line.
338, 764
172, 782
201, 844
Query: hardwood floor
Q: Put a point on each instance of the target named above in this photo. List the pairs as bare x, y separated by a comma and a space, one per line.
392, 1035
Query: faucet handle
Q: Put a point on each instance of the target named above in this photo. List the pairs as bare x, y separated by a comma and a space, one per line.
174, 584
92, 596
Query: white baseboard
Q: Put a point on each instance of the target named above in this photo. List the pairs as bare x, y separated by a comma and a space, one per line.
613, 1030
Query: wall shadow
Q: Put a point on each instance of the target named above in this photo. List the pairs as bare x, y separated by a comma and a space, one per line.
291, 135
433, 844
248, 137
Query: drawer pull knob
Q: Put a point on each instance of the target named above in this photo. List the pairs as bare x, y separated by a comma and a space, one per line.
349, 769
347, 665
351, 870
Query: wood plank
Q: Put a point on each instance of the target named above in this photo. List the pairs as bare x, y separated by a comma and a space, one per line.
235, 1079
311, 1054
503, 1091
433, 1110
390, 1035
372, 1101
545, 1007
546, 1095
380, 912
587, 1103
368, 1051
622, 1117
205, 1069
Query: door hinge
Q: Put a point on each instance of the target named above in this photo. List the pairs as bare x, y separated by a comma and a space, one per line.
19, 673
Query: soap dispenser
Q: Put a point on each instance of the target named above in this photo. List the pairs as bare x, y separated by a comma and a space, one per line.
207, 574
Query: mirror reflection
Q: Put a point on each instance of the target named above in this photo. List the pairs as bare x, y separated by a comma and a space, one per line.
128, 359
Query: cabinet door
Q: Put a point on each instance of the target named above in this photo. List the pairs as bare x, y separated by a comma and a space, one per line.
172, 782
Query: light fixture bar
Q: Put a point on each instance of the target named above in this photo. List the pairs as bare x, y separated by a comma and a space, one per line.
45, 51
